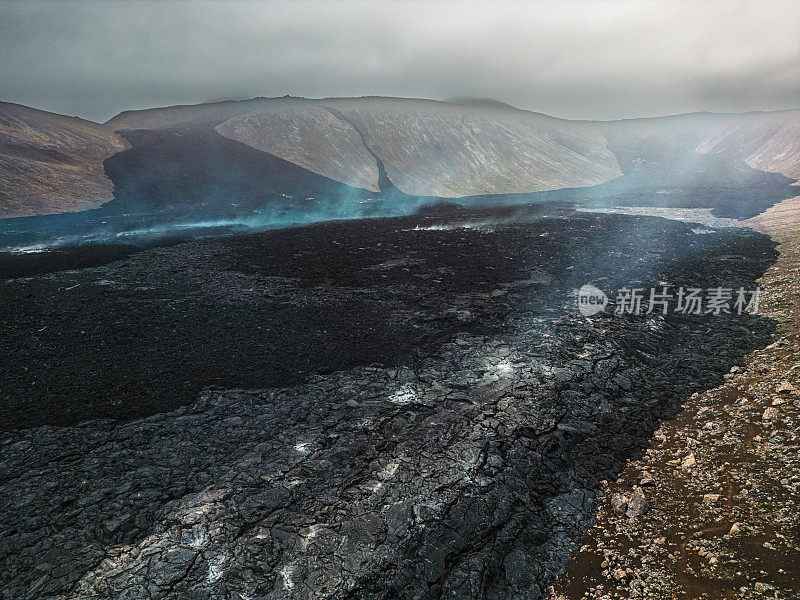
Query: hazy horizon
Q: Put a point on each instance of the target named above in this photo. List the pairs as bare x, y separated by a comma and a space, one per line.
575, 60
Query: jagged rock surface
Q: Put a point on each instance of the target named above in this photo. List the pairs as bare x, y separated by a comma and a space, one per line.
722, 480
460, 473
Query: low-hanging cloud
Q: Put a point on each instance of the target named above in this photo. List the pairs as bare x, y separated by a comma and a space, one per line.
594, 60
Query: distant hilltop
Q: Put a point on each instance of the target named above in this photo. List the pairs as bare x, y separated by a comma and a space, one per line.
467, 147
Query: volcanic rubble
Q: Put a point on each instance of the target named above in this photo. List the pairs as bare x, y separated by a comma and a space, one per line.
721, 483
458, 456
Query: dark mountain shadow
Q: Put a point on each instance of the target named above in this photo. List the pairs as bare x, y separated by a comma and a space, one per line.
199, 172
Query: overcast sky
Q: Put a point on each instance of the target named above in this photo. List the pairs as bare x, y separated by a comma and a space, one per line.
596, 60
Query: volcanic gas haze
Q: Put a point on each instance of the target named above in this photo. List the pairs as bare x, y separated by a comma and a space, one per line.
769, 141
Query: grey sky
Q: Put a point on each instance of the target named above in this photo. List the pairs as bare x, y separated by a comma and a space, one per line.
595, 60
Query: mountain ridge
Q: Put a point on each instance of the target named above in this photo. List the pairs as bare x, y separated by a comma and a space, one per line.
462, 148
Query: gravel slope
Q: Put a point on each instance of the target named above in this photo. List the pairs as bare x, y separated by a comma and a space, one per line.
711, 510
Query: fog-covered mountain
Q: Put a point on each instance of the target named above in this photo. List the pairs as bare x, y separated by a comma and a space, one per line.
767, 141
296, 150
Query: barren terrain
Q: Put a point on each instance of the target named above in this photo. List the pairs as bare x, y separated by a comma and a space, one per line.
710, 511
403, 408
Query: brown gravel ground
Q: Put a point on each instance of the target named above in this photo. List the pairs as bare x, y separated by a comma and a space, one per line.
711, 510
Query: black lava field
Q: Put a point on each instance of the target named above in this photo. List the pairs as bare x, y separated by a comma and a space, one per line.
384, 408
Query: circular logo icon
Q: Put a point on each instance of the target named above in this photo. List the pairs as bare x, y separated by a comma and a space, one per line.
591, 300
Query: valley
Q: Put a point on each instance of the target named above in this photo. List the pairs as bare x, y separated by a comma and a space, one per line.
402, 407
330, 348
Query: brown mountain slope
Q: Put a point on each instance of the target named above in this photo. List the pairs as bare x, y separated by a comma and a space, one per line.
427, 147
311, 137
451, 150
481, 147
51, 163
